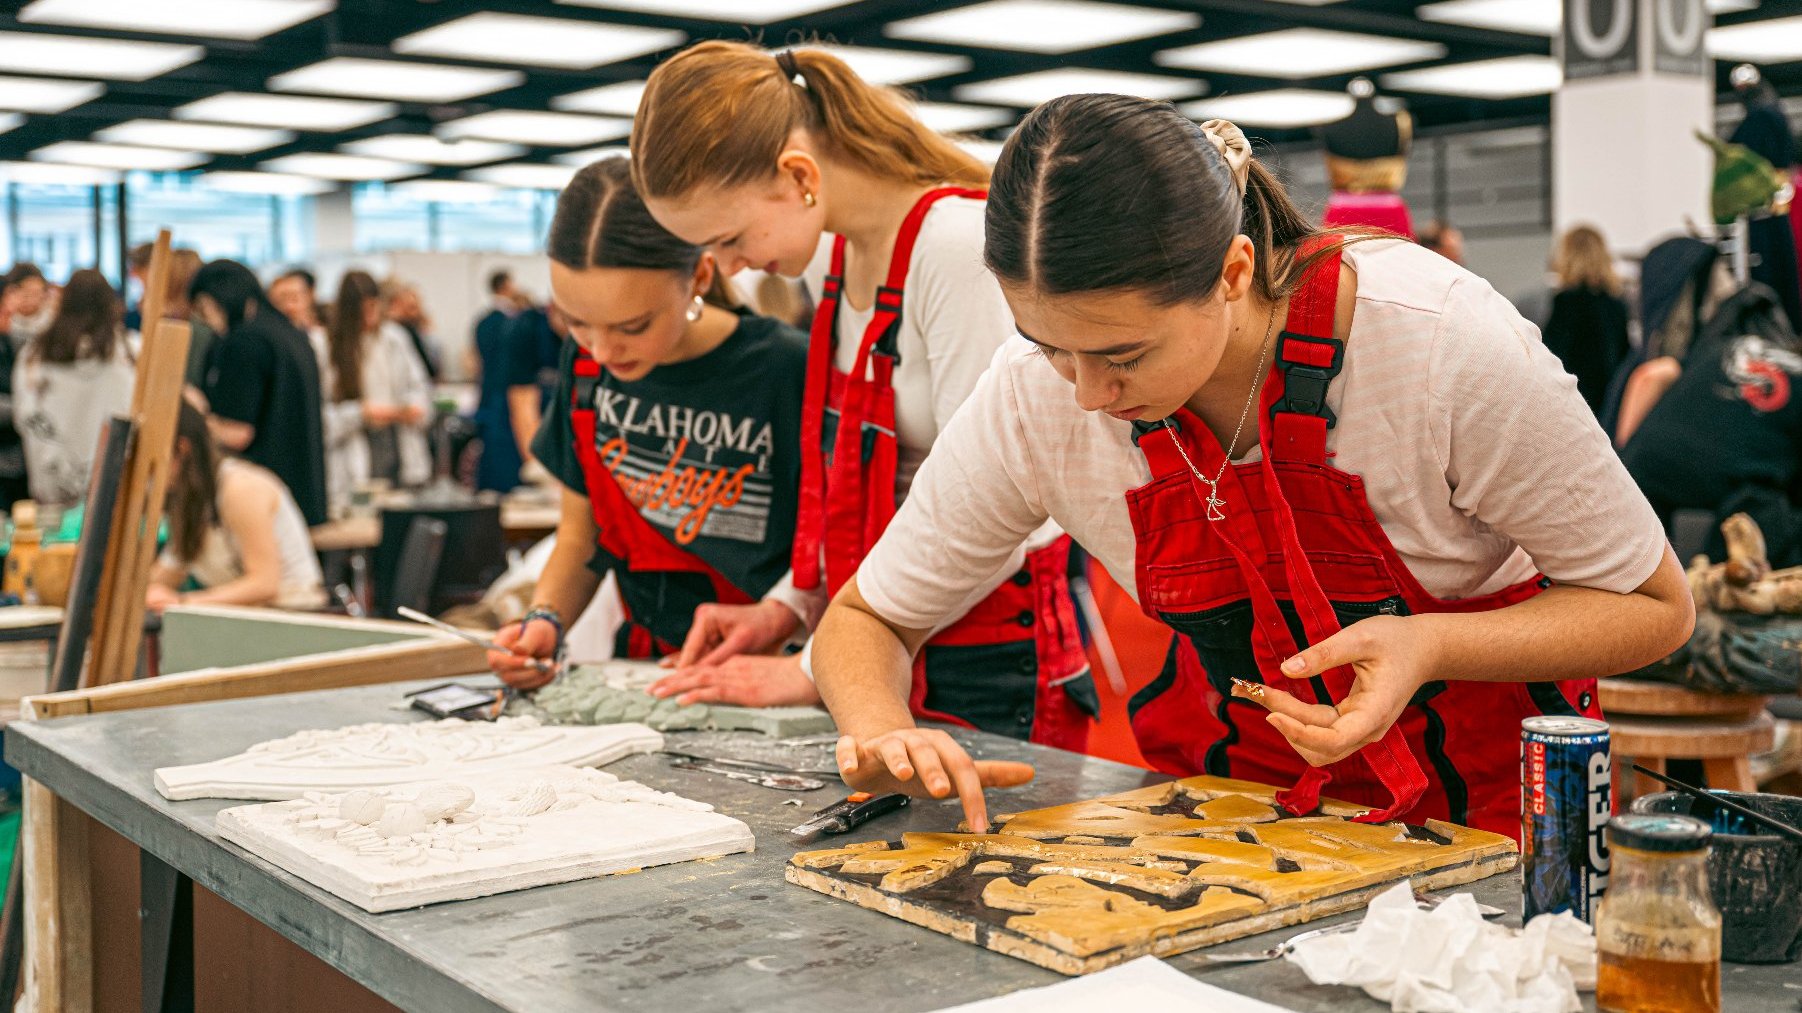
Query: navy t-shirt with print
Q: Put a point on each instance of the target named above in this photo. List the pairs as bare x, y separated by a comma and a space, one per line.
708, 450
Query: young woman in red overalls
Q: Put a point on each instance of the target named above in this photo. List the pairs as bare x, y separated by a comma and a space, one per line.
1374, 508
674, 428
760, 157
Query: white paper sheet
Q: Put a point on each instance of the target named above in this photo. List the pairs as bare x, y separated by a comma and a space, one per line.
1143, 984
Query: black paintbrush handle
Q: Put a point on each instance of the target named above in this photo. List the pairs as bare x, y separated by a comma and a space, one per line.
1752, 814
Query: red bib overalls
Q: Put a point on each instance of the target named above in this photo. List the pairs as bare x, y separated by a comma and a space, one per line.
1293, 554
660, 584
1014, 663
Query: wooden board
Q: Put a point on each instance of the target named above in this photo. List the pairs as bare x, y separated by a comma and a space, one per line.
156, 402
1158, 870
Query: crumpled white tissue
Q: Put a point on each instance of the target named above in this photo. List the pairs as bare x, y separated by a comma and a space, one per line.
1449, 960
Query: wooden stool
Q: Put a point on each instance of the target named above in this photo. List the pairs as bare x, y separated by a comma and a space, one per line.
1652, 722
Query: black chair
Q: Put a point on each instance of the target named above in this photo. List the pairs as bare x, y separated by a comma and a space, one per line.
474, 553
417, 567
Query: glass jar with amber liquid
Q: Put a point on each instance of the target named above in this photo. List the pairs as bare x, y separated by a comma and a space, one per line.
1658, 933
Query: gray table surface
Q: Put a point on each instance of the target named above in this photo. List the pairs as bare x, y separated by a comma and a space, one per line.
728, 934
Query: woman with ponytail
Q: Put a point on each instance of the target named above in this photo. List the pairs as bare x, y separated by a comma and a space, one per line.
674, 427
793, 164
1377, 512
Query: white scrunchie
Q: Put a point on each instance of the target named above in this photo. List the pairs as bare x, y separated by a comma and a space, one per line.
1230, 141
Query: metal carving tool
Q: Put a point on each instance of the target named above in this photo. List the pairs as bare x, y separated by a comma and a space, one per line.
780, 782
480, 641
859, 808
756, 765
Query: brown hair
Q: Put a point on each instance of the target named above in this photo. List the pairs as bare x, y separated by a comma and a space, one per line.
193, 502
86, 325
602, 222
344, 335
1583, 261
721, 113
184, 264
1097, 192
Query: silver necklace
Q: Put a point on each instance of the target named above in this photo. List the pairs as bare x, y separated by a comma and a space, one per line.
1217, 506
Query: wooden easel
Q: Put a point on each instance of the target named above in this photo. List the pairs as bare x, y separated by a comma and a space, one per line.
131, 548
53, 837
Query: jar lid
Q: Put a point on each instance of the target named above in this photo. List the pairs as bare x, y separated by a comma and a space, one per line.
1658, 832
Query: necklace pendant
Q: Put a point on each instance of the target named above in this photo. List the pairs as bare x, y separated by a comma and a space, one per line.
1216, 508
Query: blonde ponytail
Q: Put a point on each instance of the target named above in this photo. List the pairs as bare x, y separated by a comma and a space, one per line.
721, 113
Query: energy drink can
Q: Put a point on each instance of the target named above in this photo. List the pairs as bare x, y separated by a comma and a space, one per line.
1566, 798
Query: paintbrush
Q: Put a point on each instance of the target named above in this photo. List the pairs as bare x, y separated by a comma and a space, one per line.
420, 617
1754, 815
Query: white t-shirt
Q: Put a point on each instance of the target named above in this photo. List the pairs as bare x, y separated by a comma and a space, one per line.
953, 318
59, 410
1480, 460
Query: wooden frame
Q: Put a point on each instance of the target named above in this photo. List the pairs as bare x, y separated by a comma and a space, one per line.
55, 839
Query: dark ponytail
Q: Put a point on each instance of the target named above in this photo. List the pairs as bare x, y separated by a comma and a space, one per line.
1099, 192
602, 222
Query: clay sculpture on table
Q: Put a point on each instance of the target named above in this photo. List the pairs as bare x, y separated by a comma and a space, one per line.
1158, 870
616, 691
379, 755
409, 845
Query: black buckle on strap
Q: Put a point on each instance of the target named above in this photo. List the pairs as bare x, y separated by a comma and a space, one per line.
584, 391
1305, 386
1143, 429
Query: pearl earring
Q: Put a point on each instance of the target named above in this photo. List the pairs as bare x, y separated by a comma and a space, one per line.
807, 198
694, 312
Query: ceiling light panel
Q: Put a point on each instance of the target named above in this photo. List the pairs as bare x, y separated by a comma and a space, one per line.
1027, 90
42, 95
956, 118
118, 156
70, 56
1299, 52
1529, 17
1508, 77
737, 11
1042, 26
216, 19
447, 191
350, 168
589, 156
548, 130
1776, 41
286, 111
1282, 108
524, 175
538, 42
393, 79
430, 150
898, 66
46, 174
194, 136
272, 183
617, 99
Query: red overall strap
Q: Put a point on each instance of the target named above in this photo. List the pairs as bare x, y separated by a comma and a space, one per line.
624, 533
846, 504
1308, 357
810, 509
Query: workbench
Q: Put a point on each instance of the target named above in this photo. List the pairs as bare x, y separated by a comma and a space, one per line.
727, 934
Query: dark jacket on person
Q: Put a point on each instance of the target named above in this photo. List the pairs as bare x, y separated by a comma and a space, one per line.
1587, 331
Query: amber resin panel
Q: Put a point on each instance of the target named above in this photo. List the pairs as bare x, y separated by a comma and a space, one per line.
1159, 870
